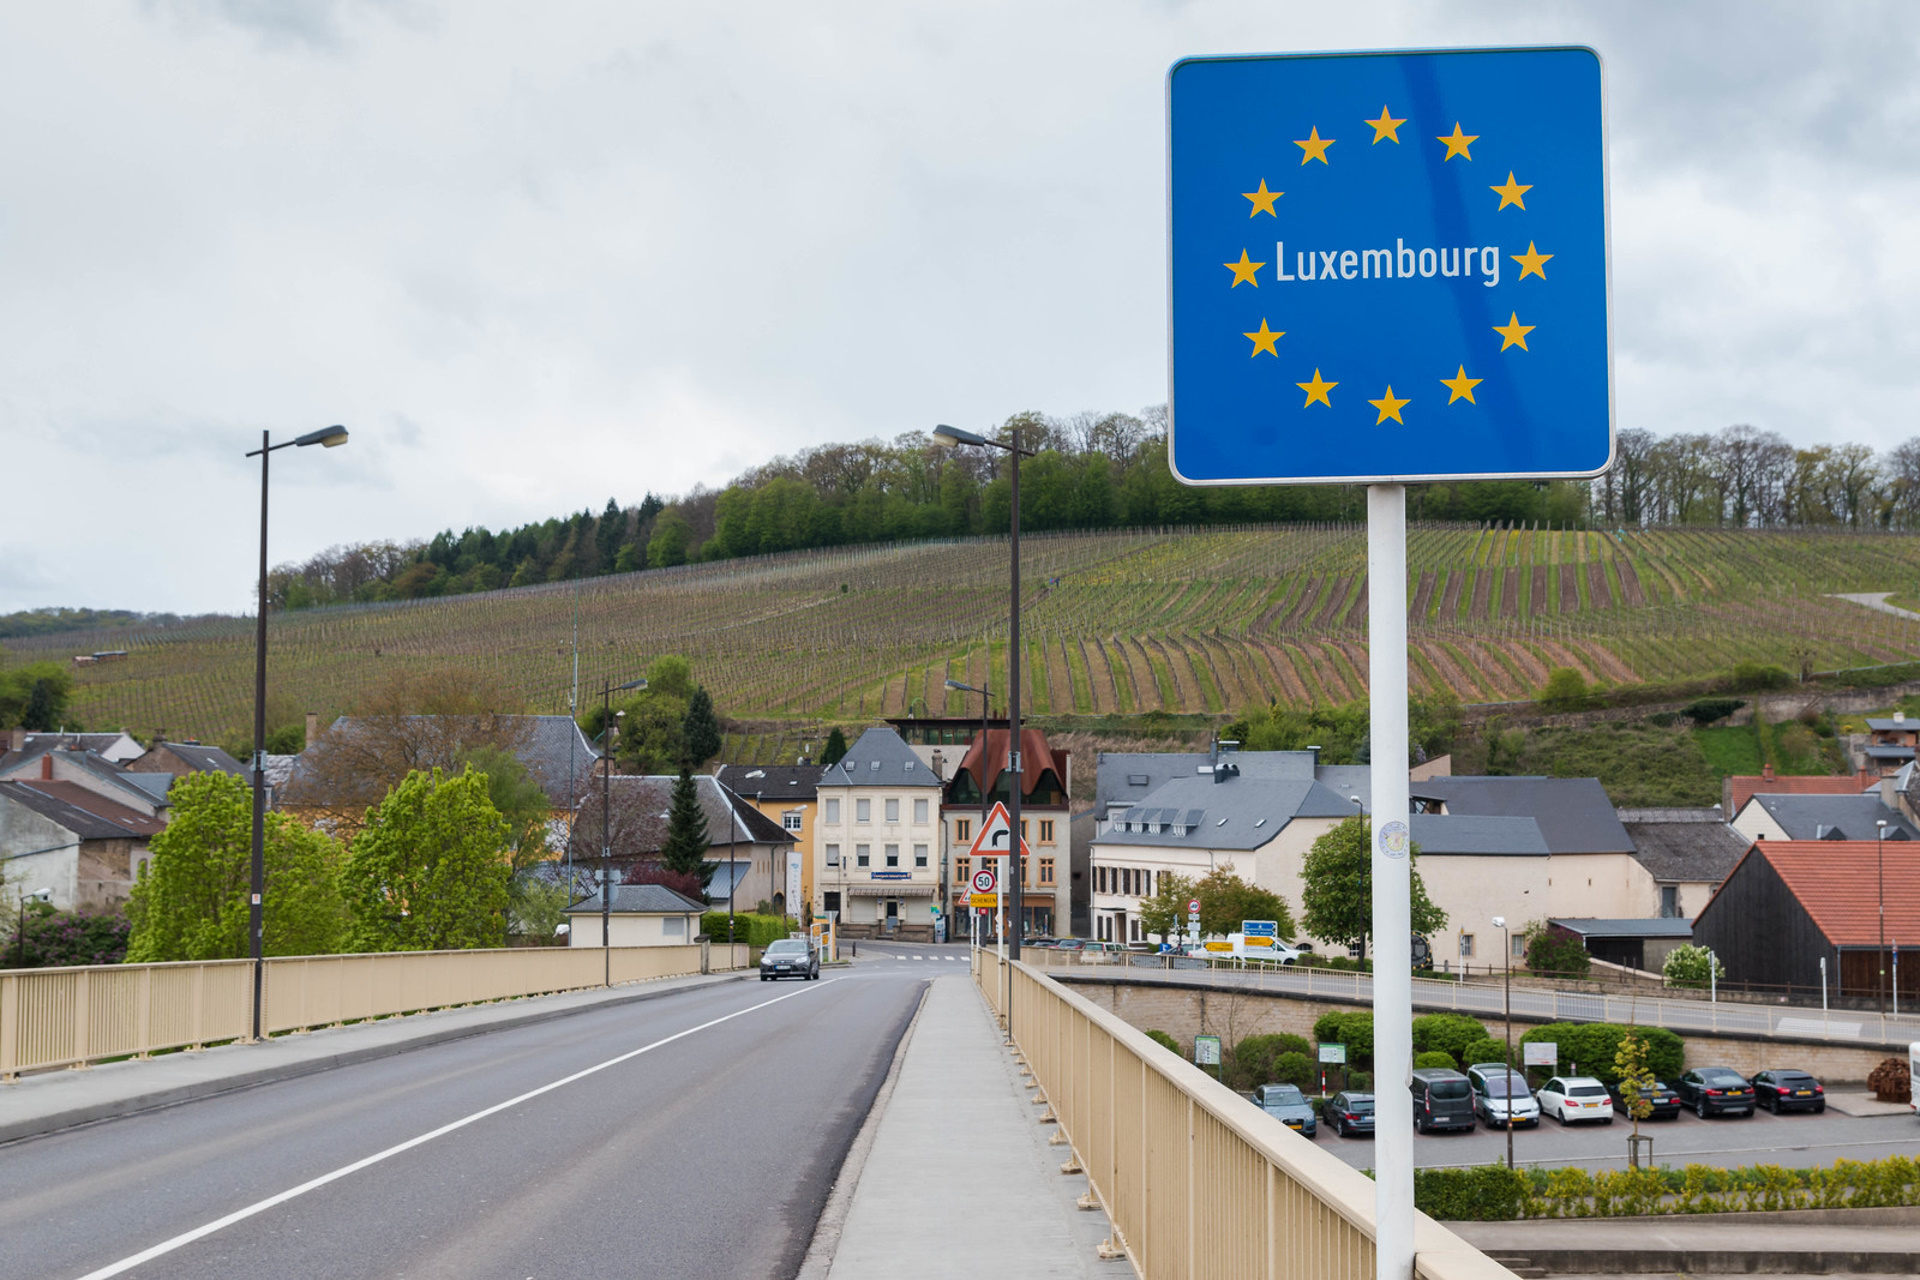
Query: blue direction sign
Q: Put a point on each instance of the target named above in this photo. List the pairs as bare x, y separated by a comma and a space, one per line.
1389, 267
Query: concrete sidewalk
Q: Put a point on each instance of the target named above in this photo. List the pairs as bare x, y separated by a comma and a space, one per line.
51, 1100
960, 1179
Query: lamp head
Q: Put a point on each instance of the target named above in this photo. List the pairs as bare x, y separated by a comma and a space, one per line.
949, 437
331, 437
1499, 922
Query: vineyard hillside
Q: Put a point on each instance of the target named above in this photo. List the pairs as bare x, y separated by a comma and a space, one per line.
1115, 624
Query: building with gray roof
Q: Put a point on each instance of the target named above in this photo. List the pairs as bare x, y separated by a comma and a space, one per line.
1823, 817
639, 915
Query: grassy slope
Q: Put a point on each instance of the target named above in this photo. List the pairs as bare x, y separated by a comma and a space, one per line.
809, 638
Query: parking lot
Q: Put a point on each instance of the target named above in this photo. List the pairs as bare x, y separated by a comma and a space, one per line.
1794, 1140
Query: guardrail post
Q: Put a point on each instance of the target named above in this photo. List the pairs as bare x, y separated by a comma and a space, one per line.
10, 1028
82, 1018
143, 1034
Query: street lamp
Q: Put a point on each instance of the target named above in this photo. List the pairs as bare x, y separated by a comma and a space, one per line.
1880, 956
20, 935
1506, 940
607, 719
331, 438
947, 438
986, 801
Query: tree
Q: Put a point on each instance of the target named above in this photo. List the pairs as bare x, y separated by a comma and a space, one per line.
699, 729
670, 541
1165, 913
536, 906
685, 850
191, 899
1635, 1077
1691, 966
1549, 952
429, 870
1226, 900
1566, 690
836, 747
1336, 897
35, 697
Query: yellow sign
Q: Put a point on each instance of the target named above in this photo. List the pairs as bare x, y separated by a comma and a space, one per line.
1219, 946
987, 900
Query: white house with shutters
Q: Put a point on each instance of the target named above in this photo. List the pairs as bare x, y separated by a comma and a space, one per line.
876, 840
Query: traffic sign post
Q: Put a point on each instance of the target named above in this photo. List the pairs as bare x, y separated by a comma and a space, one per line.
1388, 268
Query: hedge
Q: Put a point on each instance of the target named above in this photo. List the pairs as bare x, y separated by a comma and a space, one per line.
1350, 1027
1255, 1060
1434, 1058
754, 930
1588, 1049
1448, 1033
1494, 1193
1166, 1042
1488, 1050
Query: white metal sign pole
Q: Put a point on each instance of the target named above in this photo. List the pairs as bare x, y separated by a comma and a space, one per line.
1392, 880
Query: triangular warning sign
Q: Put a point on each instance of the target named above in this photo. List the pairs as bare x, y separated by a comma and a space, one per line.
992, 842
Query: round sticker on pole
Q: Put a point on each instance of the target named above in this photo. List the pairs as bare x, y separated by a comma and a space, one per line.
1394, 840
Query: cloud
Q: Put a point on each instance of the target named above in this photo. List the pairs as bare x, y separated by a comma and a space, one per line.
534, 257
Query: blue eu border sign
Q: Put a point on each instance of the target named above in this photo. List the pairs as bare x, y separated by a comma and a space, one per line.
1389, 267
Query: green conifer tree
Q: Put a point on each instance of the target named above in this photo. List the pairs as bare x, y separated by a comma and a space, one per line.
686, 848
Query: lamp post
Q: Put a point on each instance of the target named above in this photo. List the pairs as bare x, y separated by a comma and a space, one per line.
949, 437
331, 438
20, 935
1506, 937
986, 713
607, 718
1880, 956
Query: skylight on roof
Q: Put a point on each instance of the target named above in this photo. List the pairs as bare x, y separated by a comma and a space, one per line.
1259, 822
1219, 822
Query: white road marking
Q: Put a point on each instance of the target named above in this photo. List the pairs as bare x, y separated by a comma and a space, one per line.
919, 957
261, 1206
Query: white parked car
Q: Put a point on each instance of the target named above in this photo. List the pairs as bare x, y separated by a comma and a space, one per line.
1571, 1098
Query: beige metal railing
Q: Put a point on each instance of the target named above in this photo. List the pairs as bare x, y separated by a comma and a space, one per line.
70, 1017
1197, 1183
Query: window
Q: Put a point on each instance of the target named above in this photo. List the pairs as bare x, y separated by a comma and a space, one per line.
1670, 901
1466, 946
893, 855
791, 821
919, 855
963, 829
1149, 889
893, 811
1518, 947
1046, 831
1133, 928
920, 812
862, 855
863, 811
963, 870
674, 926
833, 855
833, 810
1023, 828
1046, 871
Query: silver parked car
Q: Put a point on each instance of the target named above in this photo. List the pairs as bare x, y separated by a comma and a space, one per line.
1285, 1103
1498, 1090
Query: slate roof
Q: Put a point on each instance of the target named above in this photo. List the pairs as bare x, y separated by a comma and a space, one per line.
1837, 882
766, 782
1742, 788
643, 802
87, 815
1192, 811
640, 900
881, 758
204, 759
1655, 927
150, 788
1574, 814
102, 743
1891, 725
1443, 835
1835, 817
1692, 845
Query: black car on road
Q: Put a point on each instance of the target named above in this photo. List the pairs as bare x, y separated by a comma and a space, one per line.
789, 958
1663, 1099
1779, 1091
1349, 1113
1715, 1091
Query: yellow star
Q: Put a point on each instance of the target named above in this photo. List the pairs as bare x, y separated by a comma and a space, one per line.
1317, 390
1389, 408
1263, 199
1514, 332
1386, 127
1462, 386
1314, 146
1531, 261
1457, 144
1511, 193
1243, 270
1264, 338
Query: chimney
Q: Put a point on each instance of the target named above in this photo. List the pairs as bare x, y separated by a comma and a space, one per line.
46, 767
313, 726
16, 739
939, 767
1766, 773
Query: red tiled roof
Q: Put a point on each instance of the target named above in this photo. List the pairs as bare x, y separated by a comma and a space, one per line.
1838, 882
1035, 754
1742, 789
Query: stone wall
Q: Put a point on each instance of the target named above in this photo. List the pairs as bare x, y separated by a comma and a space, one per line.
1184, 1011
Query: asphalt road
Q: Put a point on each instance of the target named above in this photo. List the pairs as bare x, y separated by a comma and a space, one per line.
701, 1140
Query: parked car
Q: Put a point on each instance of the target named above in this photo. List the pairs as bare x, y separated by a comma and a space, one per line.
1499, 1090
1665, 1102
1350, 1113
1788, 1090
1442, 1099
789, 958
1574, 1098
1713, 1091
1285, 1103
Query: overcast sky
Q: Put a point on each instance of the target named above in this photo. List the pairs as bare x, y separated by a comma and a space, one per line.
539, 255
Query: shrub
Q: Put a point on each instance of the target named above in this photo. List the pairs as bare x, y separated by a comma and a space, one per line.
1689, 966
1549, 952
1166, 1042
1296, 1068
1448, 1033
1566, 690
1488, 1050
1484, 1193
1254, 1059
1350, 1027
754, 930
1435, 1058
1750, 677
54, 939
1704, 711
1590, 1048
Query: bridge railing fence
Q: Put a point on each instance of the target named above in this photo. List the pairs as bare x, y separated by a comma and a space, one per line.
1196, 1182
